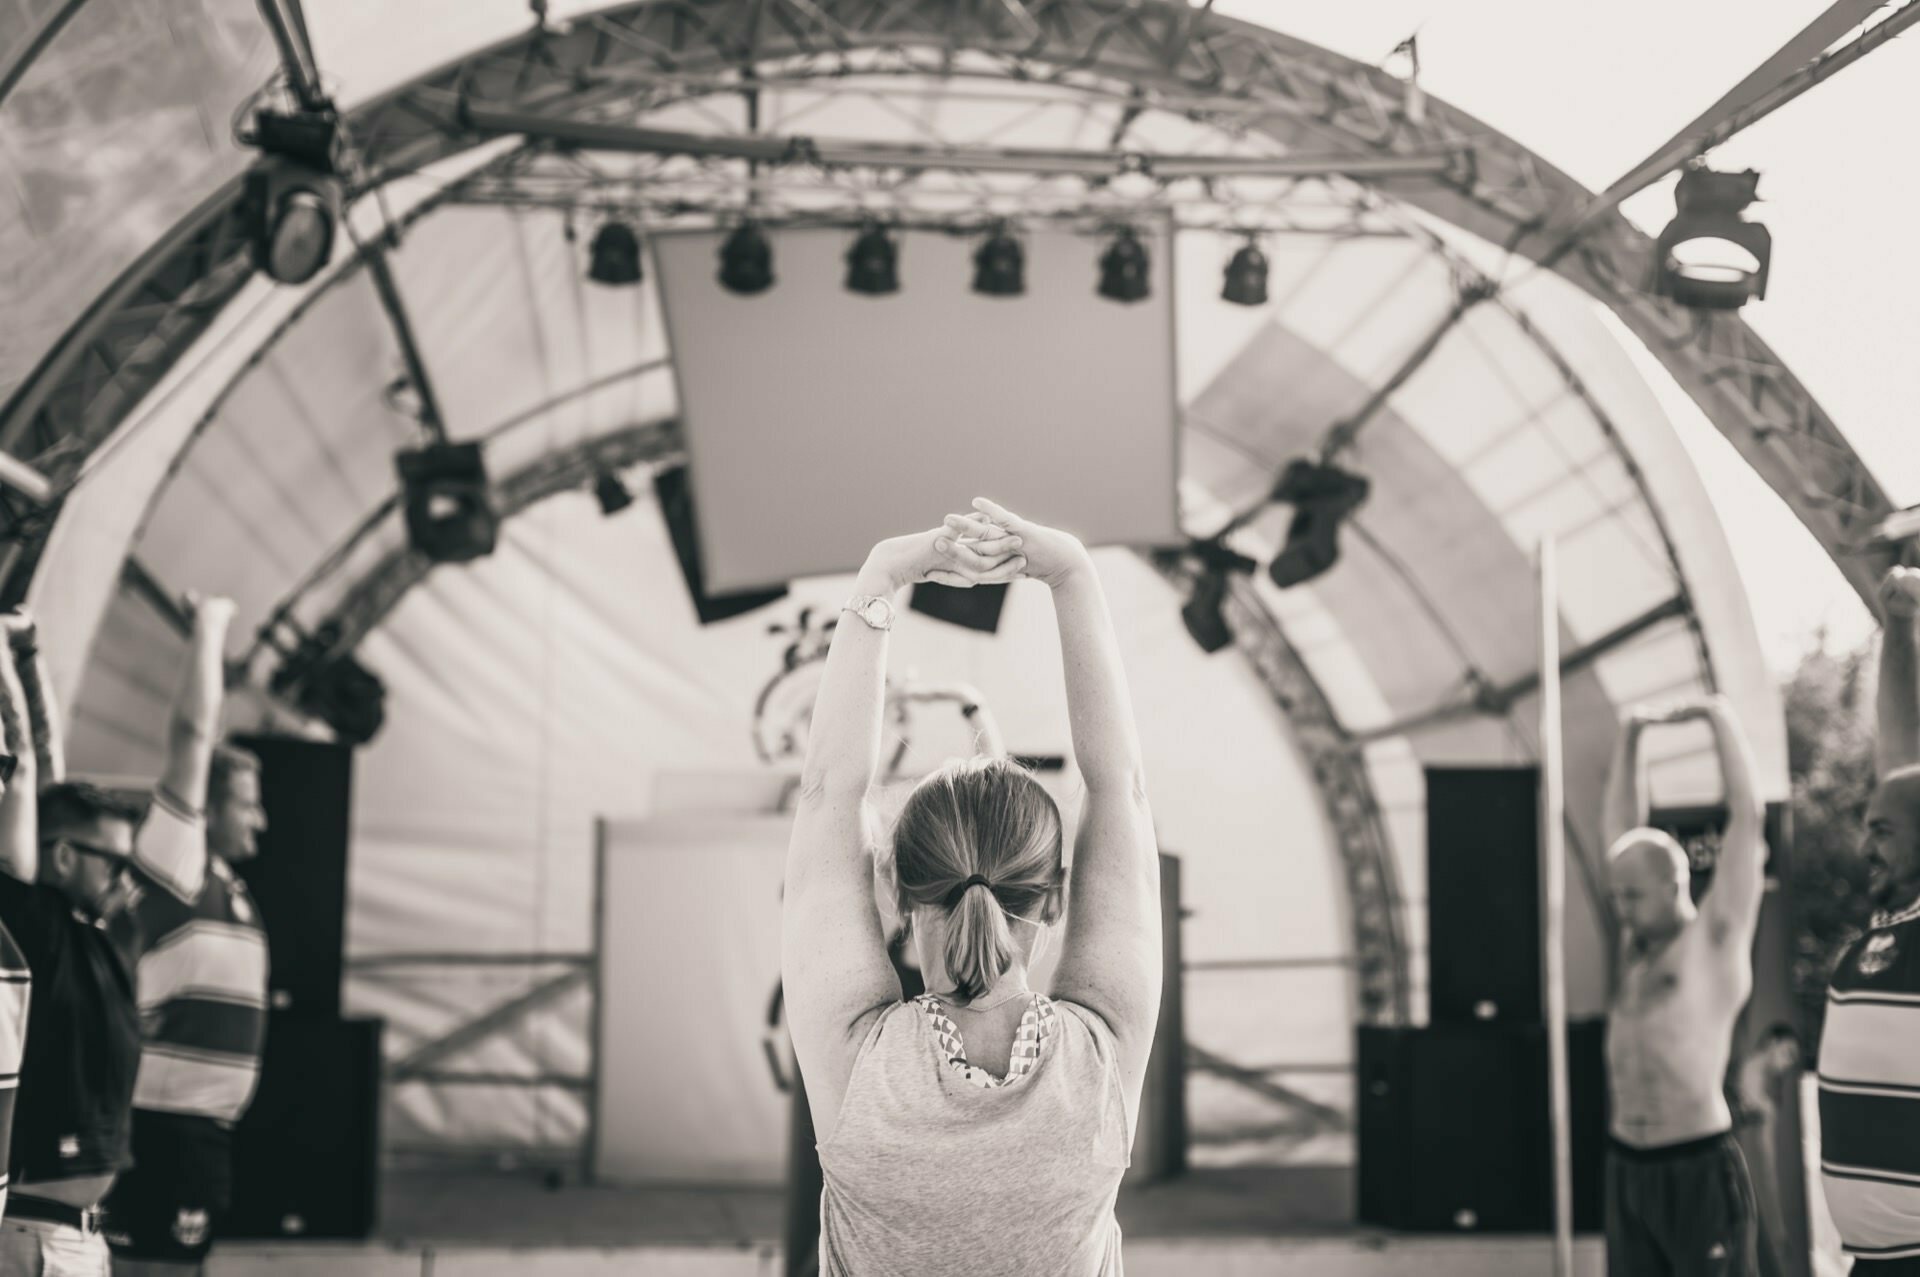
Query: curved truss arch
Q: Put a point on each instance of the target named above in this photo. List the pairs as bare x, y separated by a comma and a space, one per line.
1244, 78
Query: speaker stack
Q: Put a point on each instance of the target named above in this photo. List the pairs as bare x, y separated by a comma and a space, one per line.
306, 1156
1455, 1130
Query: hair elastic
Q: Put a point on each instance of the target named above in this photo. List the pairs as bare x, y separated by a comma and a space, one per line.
953, 897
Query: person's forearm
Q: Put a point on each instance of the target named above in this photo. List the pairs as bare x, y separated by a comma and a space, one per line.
48, 752
1897, 742
1743, 848
1626, 805
196, 711
19, 831
843, 739
1106, 745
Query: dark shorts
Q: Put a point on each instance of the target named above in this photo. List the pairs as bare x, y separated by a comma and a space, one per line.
165, 1208
1886, 1267
1680, 1210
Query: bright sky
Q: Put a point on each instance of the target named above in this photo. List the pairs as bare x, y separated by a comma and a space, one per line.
1594, 88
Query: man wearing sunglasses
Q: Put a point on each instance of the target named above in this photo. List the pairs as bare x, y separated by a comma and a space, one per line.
62, 862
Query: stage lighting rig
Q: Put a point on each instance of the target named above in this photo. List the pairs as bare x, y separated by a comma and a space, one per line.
1123, 268
1246, 283
1710, 205
873, 263
612, 493
332, 687
294, 201
746, 261
615, 255
1204, 613
1322, 497
449, 504
999, 265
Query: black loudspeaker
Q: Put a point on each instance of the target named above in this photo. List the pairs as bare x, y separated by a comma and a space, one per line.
1483, 895
299, 879
670, 488
976, 608
306, 1157
1455, 1133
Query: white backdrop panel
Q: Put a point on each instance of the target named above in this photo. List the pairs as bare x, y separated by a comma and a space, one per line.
691, 952
819, 421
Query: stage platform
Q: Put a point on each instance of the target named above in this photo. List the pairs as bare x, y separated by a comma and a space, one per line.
1242, 1222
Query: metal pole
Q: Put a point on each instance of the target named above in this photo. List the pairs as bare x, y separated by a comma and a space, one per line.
1554, 908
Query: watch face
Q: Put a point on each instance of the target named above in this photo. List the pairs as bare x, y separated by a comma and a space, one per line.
876, 612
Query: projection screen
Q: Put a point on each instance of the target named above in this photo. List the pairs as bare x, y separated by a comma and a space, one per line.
819, 421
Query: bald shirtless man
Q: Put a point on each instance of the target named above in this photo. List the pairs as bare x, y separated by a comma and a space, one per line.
1679, 1201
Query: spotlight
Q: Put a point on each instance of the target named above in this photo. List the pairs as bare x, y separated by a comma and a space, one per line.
294, 203
1710, 204
746, 261
873, 263
612, 493
999, 265
1206, 621
450, 514
1322, 497
615, 255
1205, 613
333, 687
1123, 268
1247, 277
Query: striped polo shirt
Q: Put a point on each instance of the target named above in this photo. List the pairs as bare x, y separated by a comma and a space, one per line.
1870, 1091
203, 973
16, 983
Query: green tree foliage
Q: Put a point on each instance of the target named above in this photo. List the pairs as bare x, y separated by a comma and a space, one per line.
1829, 711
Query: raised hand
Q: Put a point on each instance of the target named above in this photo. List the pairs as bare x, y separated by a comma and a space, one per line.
1052, 555
940, 556
1900, 593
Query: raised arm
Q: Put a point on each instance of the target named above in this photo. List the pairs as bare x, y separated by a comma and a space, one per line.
1732, 904
195, 725
1626, 799
833, 959
31, 669
19, 814
1111, 959
1897, 703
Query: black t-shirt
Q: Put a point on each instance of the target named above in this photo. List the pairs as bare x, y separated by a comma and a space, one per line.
75, 1098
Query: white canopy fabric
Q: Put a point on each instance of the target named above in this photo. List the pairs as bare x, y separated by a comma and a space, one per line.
539, 688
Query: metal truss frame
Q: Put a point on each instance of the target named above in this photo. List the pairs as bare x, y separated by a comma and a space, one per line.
1142, 54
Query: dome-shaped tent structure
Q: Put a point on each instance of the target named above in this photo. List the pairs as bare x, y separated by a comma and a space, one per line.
234, 435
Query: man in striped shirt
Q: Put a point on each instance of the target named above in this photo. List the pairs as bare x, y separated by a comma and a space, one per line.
1870, 1044
202, 979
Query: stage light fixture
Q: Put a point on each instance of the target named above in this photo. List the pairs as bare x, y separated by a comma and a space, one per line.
746, 261
999, 265
1246, 283
873, 263
1322, 497
1692, 263
1205, 609
614, 256
1203, 613
449, 504
612, 493
1123, 268
294, 203
333, 687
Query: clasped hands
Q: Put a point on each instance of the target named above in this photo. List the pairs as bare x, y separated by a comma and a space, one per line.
988, 545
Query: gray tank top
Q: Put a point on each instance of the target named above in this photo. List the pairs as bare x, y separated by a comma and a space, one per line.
937, 1167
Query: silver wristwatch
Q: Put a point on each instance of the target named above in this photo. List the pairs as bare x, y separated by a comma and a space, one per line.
871, 608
